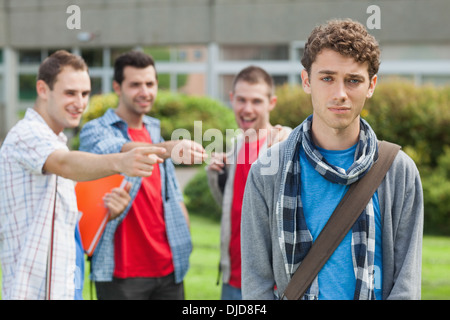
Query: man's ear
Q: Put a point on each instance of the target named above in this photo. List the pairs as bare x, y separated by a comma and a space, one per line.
372, 86
231, 95
272, 102
305, 81
42, 89
116, 87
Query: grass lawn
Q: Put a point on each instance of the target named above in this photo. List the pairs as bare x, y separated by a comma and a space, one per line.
436, 268
201, 279
200, 282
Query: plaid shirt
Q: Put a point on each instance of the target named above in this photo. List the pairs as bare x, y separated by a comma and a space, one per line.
26, 209
107, 134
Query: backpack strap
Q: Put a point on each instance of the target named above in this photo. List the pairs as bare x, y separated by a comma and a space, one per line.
341, 221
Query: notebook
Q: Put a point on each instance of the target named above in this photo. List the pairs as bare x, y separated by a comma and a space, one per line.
94, 214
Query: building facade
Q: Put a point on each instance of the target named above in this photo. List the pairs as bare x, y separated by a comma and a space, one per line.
199, 45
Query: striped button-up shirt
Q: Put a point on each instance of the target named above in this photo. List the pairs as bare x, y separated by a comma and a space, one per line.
107, 134
27, 197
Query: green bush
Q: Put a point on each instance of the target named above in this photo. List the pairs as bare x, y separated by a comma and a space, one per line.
293, 106
198, 197
417, 118
98, 104
177, 111
436, 189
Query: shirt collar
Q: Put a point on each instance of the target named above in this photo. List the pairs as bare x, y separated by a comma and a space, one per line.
33, 115
111, 118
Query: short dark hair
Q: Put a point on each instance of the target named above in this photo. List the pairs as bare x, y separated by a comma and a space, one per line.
347, 37
136, 59
53, 65
253, 75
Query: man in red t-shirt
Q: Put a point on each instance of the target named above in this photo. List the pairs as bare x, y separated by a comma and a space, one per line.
252, 99
145, 263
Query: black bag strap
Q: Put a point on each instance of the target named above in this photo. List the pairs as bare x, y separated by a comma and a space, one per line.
341, 221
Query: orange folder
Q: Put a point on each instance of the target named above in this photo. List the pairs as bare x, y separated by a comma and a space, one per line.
94, 213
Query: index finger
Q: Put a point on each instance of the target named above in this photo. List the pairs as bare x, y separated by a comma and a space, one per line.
198, 147
153, 150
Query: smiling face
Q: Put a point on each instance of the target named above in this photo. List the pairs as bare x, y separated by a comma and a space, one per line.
339, 87
137, 93
252, 104
62, 106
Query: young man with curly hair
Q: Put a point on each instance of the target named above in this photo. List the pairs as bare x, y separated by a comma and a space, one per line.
284, 211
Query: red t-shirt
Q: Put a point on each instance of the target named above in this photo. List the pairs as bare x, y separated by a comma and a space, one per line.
141, 247
246, 156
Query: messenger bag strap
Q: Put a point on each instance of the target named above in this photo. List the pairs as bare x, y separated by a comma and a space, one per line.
341, 221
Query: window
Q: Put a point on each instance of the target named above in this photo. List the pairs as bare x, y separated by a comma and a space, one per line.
30, 56
415, 52
256, 52
225, 86
194, 53
299, 53
193, 83
27, 87
116, 52
158, 53
2, 93
164, 81
279, 80
96, 85
93, 57
51, 51
437, 80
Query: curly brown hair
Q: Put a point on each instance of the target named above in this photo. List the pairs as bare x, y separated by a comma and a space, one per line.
349, 38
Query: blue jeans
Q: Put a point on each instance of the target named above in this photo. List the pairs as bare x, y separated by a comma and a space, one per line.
231, 293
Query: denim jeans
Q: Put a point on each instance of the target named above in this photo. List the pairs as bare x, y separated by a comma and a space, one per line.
231, 293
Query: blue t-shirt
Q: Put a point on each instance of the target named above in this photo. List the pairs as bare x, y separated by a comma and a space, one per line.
319, 198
